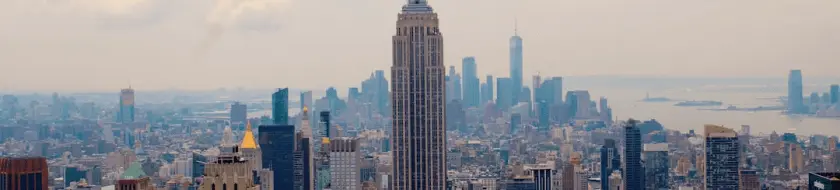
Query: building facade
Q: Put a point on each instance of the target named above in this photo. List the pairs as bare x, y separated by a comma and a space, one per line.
795, 100
516, 66
277, 143
610, 161
471, 83
656, 166
280, 106
126, 114
418, 95
25, 173
238, 115
633, 171
344, 163
749, 180
721, 159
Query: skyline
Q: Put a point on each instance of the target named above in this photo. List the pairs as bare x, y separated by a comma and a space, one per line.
91, 53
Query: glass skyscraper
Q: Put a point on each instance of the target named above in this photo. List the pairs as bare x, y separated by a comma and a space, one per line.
516, 66
656, 166
610, 161
280, 107
633, 171
722, 158
504, 93
417, 96
471, 83
795, 100
278, 144
835, 93
126, 114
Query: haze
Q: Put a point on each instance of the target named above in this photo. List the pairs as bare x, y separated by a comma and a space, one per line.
103, 45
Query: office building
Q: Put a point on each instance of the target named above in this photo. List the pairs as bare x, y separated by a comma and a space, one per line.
23, 173
277, 143
749, 180
633, 171
471, 83
487, 94
504, 93
456, 83
126, 114
238, 115
250, 149
795, 100
656, 166
557, 82
584, 104
515, 122
544, 111
543, 178
721, 159
610, 161
516, 66
142, 183
834, 93
280, 107
306, 99
344, 163
823, 180
796, 162
229, 171
418, 136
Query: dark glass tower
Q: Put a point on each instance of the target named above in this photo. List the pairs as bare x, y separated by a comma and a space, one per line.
610, 161
418, 100
471, 83
633, 171
516, 66
722, 158
126, 114
277, 143
280, 106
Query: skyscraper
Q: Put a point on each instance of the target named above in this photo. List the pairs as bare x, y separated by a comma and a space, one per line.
835, 93
487, 90
610, 161
633, 171
250, 149
24, 173
504, 93
456, 83
558, 90
280, 107
381, 92
721, 158
584, 104
277, 143
516, 65
238, 115
344, 161
795, 99
471, 84
656, 166
417, 77
126, 114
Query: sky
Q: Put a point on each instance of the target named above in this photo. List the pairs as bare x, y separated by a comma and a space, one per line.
105, 45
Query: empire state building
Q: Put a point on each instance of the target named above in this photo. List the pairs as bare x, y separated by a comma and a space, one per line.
418, 102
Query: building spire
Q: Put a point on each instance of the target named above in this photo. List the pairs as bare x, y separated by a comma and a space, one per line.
515, 26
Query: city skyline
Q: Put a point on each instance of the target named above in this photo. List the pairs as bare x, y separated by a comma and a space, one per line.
568, 47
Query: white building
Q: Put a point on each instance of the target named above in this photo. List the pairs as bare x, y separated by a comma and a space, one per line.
344, 163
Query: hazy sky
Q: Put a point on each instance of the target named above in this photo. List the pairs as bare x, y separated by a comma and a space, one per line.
101, 45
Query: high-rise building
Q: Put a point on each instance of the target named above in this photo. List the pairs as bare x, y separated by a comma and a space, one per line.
280, 107
584, 103
382, 96
504, 93
456, 83
238, 115
835, 93
24, 173
721, 159
656, 166
557, 82
323, 160
795, 100
344, 161
796, 162
250, 149
610, 161
749, 180
226, 171
126, 114
515, 122
543, 178
633, 171
418, 95
277, 143
516, 65
489, 94
544, 111
823, 180
471, 83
